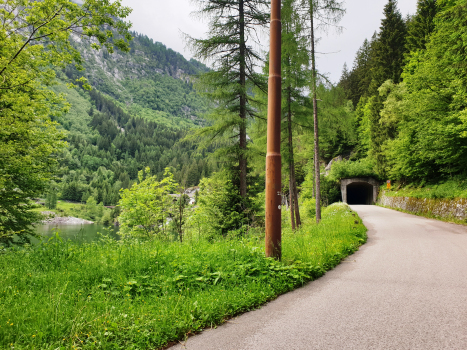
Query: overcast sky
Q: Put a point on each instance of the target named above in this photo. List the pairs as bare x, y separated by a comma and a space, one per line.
164, 20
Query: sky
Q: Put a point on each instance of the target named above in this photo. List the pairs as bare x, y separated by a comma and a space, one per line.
166, 20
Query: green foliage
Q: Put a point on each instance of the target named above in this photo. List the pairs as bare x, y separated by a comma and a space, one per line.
330, 191
337, 122
35, 35
421, 25
449, 189
232, 26
51, 198
29, 143
107, 147
389, 49
146, 206
92, 208
356, 82
219, 208
35, 40
348, 169
431, 128
139, 295
90, 211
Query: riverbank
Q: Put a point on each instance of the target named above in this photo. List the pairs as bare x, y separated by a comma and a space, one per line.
66, 220
146, 294
70, 213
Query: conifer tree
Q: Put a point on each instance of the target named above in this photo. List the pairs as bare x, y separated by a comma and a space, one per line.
356, 83
295, 60
389, 49
233, 25
422, 25
387, 64
321, 15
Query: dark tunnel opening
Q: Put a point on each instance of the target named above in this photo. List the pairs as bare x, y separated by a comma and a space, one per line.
360, 193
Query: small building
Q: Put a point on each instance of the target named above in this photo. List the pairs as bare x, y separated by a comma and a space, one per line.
360, 190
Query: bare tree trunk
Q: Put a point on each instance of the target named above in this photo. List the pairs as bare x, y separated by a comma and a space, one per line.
315, 119
243, 145
294, 208
295, 192
291, 160
181, 206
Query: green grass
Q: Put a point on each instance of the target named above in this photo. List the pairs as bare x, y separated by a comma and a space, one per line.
450, 189
141, 295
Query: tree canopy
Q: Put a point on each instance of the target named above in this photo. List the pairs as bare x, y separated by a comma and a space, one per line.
35, 40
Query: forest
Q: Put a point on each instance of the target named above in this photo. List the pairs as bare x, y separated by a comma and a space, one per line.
95, 113
397, 114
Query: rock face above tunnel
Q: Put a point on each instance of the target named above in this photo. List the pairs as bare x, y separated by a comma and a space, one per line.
359, 190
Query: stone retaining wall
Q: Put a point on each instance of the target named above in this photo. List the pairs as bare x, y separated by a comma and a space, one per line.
445, 208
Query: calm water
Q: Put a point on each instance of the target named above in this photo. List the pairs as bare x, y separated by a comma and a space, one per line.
82, 233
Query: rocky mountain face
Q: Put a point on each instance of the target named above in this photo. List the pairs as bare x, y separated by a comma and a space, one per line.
151, 81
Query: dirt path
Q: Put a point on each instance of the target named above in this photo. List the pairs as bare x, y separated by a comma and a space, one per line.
405, 289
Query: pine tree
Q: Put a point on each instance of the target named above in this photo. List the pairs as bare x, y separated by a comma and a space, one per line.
387, 64
321, 15
295, 60
356, 83
389, 48
421, 25
232, 27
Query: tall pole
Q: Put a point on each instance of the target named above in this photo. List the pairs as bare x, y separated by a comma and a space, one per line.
273, 157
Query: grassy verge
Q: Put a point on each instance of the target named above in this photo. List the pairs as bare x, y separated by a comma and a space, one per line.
450, 219
450, 189
139, 295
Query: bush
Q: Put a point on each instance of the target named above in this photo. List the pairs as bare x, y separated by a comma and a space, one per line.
348, 169
219, 207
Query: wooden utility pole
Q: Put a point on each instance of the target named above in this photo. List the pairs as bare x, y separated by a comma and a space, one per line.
273, 157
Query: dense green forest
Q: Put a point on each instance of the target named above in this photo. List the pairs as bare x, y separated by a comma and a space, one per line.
92, 112
408, 87
113, 146
110, 140
398, 113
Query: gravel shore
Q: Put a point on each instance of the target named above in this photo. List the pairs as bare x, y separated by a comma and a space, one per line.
67, 220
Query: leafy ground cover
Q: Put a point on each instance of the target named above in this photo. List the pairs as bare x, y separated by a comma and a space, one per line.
450, 189
146, 294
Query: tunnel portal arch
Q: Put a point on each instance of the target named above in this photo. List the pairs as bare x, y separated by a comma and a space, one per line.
362, 190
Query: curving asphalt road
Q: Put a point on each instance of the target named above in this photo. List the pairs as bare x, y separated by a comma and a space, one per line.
405, 289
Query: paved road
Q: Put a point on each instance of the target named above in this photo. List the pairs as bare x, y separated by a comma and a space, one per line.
405, 289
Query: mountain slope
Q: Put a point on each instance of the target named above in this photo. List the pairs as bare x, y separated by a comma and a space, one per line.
141, 107
151, 81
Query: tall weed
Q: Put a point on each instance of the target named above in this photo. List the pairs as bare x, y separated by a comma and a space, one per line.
145, 294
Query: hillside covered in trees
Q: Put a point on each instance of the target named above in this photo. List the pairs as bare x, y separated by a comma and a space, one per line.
398, 113
92, 112
129, 120
408, 87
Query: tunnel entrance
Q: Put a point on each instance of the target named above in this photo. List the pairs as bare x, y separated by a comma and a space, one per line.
360, 193
359, 190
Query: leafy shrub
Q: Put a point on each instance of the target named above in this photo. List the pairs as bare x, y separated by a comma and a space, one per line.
348, 169
330, 191
219, 207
